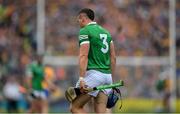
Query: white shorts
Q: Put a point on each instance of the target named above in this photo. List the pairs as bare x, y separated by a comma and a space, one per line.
94, 78
39, 94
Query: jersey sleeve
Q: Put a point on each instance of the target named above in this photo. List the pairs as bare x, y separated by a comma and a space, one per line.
110, 40
83, 36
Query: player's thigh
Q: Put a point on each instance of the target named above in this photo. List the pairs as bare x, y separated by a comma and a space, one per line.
100, 102
80, 101
35, 105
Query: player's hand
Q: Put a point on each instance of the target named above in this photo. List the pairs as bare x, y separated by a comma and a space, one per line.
83, 87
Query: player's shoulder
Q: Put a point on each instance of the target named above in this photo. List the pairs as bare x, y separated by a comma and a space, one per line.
103, 29
84, 29
88, 27
106, 31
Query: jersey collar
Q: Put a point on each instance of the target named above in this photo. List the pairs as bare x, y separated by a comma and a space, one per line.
91, 23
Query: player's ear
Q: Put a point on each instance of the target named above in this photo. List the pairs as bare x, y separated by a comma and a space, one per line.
82, 20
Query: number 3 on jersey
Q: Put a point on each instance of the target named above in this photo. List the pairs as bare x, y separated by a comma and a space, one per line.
105, 48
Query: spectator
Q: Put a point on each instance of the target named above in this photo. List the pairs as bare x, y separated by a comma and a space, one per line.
12, 94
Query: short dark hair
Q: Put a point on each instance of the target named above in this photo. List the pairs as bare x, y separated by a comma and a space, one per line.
88, 12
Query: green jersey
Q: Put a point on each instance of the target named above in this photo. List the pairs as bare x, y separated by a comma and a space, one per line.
99, 40
37, 72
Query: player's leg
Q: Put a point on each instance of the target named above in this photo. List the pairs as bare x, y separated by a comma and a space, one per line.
33, 103
78, 104
39, 105
100, 102
34, 108
89, 106
45, 107
36, 102
45, 102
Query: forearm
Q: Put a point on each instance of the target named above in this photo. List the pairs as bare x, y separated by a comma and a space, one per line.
83, 61
29, 82
113, 65
113, 59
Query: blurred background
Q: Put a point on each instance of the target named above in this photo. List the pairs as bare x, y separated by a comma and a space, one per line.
146, 37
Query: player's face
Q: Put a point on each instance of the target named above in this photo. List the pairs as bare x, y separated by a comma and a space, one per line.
81, 19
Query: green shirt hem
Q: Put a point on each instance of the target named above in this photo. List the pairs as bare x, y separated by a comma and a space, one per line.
106, 71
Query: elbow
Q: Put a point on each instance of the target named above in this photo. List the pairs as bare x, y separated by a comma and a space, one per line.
113, 59
83, 58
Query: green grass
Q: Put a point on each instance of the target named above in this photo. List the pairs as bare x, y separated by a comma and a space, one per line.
142, 105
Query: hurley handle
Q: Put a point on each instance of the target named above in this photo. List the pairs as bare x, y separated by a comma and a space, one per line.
102, 87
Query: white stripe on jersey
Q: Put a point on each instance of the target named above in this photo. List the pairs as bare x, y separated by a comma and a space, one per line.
83, 37
85, 42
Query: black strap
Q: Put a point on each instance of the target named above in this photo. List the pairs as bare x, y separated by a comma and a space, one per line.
119, 95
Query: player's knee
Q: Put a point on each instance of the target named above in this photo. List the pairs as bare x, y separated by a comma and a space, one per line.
74, 108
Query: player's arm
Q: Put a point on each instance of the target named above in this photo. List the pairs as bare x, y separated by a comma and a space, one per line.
29, 82
83, 51
83, 55
113, 58
83, 59
50, 83
28, 79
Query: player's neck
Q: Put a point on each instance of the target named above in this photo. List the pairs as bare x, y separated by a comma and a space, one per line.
90, 22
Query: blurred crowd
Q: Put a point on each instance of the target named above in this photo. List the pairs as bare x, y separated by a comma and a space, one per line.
17, 34
17, 45
178, 44
138, 28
